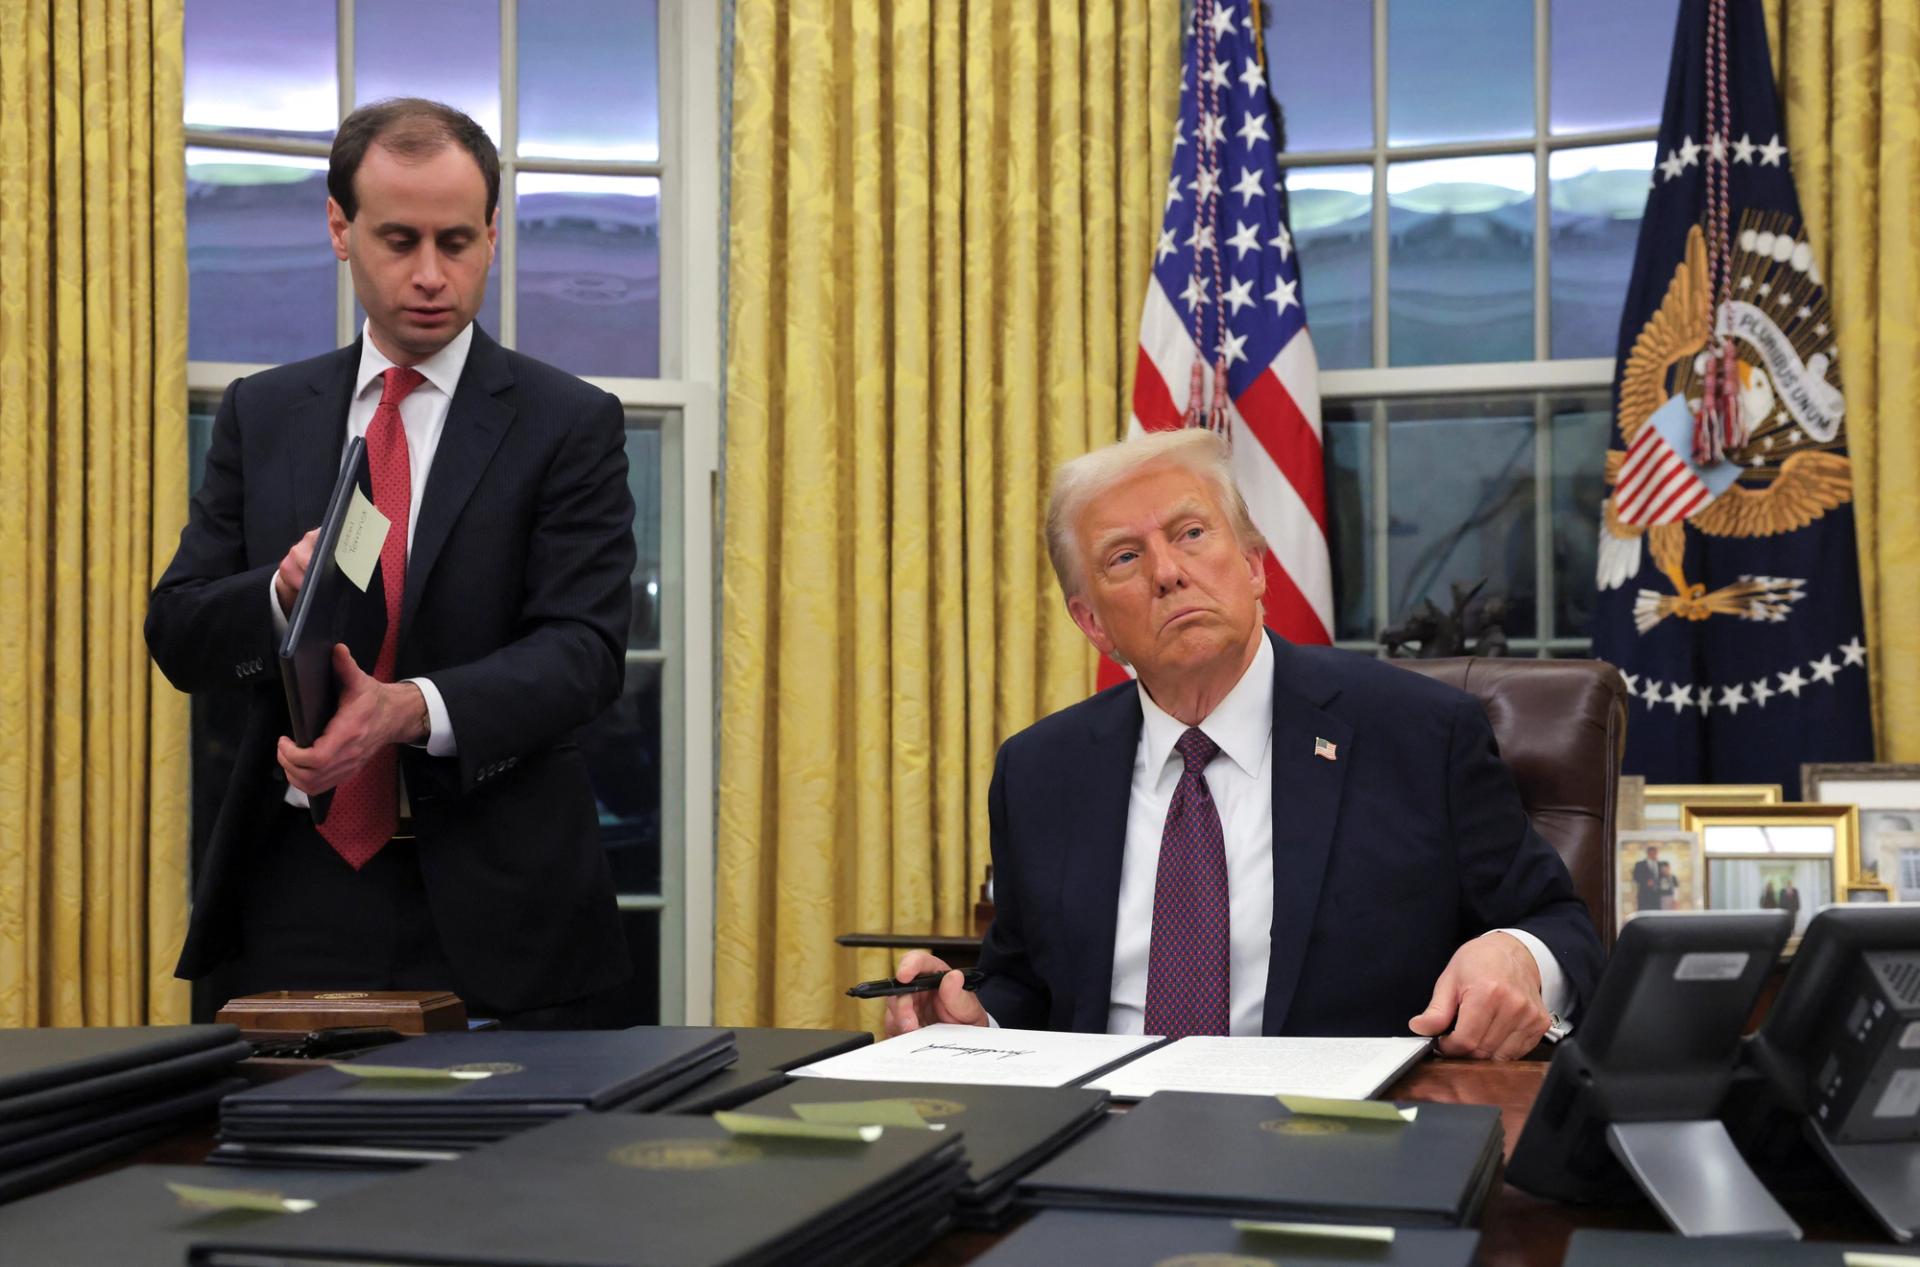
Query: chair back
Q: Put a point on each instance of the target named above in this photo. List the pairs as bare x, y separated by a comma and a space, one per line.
1562, 727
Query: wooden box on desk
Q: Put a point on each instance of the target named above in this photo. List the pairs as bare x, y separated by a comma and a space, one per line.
298, 1011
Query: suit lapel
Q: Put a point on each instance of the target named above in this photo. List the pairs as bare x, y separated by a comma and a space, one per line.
476, 420
1306, 807
1097, 797
317, 433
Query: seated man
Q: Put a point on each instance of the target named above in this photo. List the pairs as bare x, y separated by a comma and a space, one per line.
1255, 837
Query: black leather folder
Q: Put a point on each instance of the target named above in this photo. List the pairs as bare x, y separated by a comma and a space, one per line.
130, 1218
126, 1085
1246, 1156
609, 1190
532, 1072
765, 1057
35, 1060
1008, 1130
1590, 1247
176, 1108
1115, 1239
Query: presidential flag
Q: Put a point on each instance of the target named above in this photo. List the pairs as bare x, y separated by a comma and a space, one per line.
1729, 588
1223, 335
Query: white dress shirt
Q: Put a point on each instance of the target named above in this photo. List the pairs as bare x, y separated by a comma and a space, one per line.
1240, 779
423, 416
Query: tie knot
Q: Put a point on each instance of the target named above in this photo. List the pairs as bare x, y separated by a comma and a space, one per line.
399, 381
1196, 749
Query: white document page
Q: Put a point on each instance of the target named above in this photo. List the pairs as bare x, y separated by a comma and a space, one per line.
979, 1056
1337, 1068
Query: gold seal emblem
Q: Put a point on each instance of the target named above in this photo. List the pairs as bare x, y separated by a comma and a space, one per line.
342, 994
685, 1154
1304, 1126
932, 1109
489, 1066
1214, 1260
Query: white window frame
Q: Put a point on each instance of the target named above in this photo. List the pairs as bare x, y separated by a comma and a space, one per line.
692, 86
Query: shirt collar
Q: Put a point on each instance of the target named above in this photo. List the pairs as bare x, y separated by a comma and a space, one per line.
442, 369
1241, 724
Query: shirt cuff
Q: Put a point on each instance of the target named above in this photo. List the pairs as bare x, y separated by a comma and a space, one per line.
1554, 994
273, 601
440, 741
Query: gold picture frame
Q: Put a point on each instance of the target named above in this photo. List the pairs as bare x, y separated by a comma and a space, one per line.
1657, 870
1664, 803
1792, 857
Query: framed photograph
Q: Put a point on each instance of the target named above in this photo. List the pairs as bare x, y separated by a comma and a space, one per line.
1630, 806
1889, 799
1793, 858
1900, 863
1664, 801
1657, 871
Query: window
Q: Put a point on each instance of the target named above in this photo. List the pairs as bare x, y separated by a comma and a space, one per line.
1466, 184
606, 113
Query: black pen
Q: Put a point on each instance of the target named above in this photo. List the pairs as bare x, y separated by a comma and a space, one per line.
886, 987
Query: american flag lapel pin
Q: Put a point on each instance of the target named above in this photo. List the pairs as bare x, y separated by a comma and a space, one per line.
1325, 750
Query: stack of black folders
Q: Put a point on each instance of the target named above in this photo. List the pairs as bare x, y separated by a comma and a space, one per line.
71, 1099
1116, 1239
633, 1190
1248, 1156
765, 1057
150, 1216
436, 1097
1007, 1130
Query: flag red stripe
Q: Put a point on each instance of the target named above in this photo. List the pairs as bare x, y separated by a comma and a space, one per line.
1676, 490
1284, 432
1152, 402
1289, 614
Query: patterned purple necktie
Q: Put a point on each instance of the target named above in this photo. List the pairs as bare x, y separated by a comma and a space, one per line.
1189, 967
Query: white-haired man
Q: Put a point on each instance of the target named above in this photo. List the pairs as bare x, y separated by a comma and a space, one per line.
1254, 837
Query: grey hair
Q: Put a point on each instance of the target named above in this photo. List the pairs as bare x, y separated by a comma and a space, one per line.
1081, 481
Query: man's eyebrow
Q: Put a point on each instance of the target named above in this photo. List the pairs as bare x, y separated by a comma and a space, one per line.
1188, 509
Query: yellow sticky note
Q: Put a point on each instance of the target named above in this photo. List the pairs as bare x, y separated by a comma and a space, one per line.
866, 1113
1365, 1110
1318, 1231
195, 1197
407, 1073
794, 1128
362, 533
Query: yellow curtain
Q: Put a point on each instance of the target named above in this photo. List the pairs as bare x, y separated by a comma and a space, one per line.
93, 394
942, 220
1850, 80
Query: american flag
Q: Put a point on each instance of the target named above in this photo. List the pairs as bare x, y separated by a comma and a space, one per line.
1225, 291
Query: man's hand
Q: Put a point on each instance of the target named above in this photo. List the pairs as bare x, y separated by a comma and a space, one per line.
949, 1005
293, 571
1490, 995
370, 716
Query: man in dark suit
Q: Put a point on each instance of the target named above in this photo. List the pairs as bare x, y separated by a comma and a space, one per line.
1646, 881
461, 848
1256, 837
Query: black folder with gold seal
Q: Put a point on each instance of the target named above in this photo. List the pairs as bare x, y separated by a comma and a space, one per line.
1114, 1238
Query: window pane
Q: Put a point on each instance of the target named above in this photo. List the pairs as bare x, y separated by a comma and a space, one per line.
643, 479
253, 67
1582, 430
1320, 63
1349, 447
1460, 500
590, 272
590, 80
1460, 261
260, 274
462, 71
1610, 63
1596, 196
1461, 70
1332, 214
622, 747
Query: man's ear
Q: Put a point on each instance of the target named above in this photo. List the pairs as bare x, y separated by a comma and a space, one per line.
337, 228
1257, 570
1089, 622
493, 235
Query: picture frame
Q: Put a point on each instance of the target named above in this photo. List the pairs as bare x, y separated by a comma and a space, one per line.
1665, 801
1868, 893
1793, 857
1900, 860
1630, 804
1888, 797
1658, 871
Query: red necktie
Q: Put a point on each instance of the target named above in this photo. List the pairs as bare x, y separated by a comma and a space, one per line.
366, 808
1190, 961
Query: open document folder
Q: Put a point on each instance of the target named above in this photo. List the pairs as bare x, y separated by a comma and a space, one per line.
983, 1057
1332, 1068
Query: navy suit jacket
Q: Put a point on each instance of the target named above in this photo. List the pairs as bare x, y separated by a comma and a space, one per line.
1384, 860
517, 600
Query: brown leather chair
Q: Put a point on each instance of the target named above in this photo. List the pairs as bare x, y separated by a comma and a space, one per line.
1562, 727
